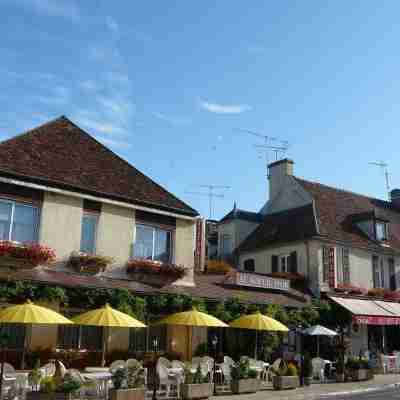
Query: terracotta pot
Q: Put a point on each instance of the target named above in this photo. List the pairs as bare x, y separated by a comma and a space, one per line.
127, 394
285, 382
197, 390
245, 386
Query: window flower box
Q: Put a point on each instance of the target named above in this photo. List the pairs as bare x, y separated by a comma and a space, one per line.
88, 263
17, 255
377, 292
137, 265
346, 288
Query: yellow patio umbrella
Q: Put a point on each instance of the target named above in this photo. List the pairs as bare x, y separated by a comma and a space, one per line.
258, 322
107, 317
190, 319
30, 314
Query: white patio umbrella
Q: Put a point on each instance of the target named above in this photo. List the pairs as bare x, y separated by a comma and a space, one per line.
319, 330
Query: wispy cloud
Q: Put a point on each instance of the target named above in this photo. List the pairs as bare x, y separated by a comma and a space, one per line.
118, 144
112, 24
173, 120
51, 8
99, 126
224, 108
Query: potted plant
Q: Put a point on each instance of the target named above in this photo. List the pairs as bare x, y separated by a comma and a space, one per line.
244, 379
138, 265
50, 390
307, 369
359, 369
17, 255
128, 382
286, 377
88, 263
196, 386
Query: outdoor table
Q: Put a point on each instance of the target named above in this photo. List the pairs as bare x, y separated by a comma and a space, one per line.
103, 378
96, 369
389, 363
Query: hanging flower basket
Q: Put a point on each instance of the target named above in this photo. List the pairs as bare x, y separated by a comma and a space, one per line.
137, 265
88, 263
17, 255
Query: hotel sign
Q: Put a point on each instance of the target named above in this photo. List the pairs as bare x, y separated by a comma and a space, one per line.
260, 281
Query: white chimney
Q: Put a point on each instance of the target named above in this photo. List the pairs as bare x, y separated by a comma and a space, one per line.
278, 172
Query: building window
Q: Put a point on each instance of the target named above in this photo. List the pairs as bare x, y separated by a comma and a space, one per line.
325, 265
18, 221
80, 337
378, 272
381, 231
392, 274
143, 340
89, 232
284, 263
153, 243
249, 265
343, 266
226, 245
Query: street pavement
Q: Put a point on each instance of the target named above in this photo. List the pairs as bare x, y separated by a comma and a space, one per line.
386, 387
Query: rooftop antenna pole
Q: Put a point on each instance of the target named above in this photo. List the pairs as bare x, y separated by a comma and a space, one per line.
384, 168
210, 194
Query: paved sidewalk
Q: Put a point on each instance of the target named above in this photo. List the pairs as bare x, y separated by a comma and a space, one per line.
327, 390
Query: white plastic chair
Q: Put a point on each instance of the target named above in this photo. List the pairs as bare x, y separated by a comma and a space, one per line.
49, 369
8, 369
226, 372
117, 364
228, 360
89, 387
318, 365
166, 380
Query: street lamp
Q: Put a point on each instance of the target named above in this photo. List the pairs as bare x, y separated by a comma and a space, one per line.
299, 331
155, 349
214, 342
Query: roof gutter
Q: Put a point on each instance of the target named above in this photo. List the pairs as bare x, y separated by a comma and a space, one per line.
94, 198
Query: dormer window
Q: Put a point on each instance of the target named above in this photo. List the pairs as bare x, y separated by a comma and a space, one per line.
381, 230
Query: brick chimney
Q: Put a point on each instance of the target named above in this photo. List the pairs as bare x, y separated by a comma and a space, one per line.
395, 197
278, 172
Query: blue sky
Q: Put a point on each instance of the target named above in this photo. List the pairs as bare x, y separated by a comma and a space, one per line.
166, 84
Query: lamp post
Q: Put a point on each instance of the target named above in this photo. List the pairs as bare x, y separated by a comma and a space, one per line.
155, 349
214, 342
299, 331
342, 331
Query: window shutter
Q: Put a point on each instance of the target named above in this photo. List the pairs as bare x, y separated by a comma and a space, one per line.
293, 262
274, 264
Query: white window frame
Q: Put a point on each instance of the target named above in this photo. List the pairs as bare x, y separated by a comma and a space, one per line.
381, 272
385, 230
96, 215
36, 224
285, 257
156, 228
340, 266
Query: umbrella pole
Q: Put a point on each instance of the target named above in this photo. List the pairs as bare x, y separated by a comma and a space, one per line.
104, 350
256, 345
318, 346
26, 344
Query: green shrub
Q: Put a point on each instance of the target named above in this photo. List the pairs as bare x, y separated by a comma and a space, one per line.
201, 350
292, 370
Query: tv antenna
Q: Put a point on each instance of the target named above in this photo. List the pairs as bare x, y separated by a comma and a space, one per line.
384, 167
271, 144
210, 194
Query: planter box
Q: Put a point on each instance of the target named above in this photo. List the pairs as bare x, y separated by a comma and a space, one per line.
245, 386
127, 394
285, 382
15, 263
48, 396
361, 374
197, 390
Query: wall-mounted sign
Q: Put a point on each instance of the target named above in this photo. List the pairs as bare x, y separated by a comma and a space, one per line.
260, 281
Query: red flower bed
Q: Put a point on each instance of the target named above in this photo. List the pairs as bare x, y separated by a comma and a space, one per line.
33, 253
156, 267
350, 289
392, 295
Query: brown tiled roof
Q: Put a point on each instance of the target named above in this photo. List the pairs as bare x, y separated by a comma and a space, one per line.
211, 287
285, 226
338, 210
61, 154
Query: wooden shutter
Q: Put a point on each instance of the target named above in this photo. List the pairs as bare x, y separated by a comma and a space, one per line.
274, 263
293, 262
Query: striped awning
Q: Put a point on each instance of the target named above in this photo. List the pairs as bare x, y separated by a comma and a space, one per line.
371, 312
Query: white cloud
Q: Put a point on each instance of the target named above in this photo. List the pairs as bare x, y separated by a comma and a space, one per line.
118, 144
112, 24
224, 108
173, 120
97, 126
51, 8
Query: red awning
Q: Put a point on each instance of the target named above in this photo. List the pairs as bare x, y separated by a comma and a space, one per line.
371, 312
